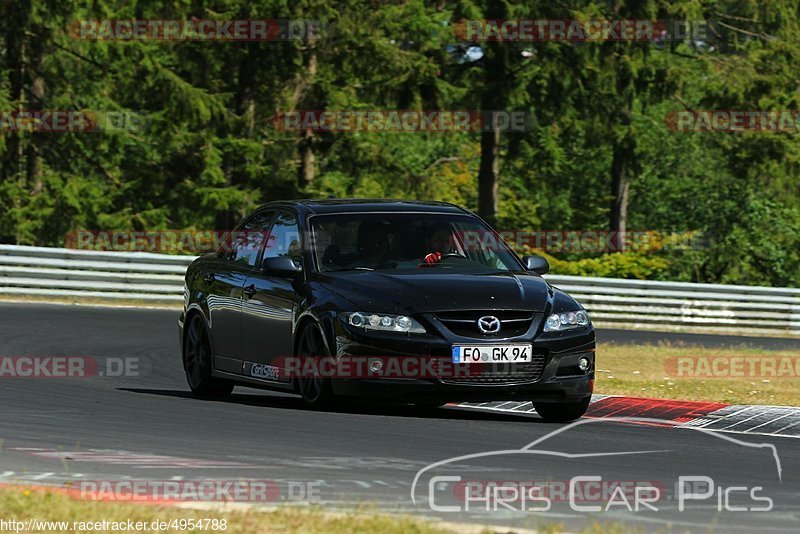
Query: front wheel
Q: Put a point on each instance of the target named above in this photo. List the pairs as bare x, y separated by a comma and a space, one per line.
316, 390
197, 362
562, 412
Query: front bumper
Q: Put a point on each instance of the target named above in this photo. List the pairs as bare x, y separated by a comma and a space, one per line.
559, 381
412, 390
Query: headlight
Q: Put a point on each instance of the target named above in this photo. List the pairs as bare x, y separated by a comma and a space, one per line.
385, 323
566, 320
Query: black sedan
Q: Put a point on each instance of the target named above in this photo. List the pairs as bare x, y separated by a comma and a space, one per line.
412, 302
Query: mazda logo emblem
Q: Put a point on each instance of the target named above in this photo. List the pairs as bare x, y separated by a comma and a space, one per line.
489, 324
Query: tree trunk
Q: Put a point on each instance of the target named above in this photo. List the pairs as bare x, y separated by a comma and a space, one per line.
623, 153
621, 157
34, 149
15, 61
494, 98
488, 175
245, 90
306, 170
307, 161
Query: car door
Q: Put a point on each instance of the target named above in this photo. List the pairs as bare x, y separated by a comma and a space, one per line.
270, 302
224, 280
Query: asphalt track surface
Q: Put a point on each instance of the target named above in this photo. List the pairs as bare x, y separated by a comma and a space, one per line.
147, 426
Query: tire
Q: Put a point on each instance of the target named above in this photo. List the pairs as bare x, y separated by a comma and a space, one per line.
198, 362
317, 391
562, 412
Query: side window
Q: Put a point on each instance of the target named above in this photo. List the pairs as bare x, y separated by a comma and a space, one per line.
284, 239
248, 240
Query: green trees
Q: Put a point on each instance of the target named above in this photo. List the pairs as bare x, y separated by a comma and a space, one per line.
597, 153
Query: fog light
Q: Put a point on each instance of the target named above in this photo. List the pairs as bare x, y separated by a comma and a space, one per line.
375, 366
584, 364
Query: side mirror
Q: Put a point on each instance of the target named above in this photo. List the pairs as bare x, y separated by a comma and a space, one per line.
536, 263
280, 266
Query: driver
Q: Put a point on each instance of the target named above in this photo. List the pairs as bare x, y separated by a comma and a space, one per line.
440, 243
373, 243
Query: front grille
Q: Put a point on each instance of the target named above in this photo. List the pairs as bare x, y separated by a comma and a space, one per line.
493, 373
465, 323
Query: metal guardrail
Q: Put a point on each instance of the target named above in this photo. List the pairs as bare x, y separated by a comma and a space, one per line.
612, 302
60, 272
734, 309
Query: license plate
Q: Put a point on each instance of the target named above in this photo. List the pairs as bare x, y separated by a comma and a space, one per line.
492, 353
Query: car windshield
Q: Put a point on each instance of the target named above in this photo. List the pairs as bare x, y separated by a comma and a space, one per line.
404, 241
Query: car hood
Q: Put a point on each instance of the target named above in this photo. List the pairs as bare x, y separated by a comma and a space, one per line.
410, 293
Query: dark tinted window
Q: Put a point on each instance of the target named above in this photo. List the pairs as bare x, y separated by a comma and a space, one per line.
406, 241
249, 239
284, 238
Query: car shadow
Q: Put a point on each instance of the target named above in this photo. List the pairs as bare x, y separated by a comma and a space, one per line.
356, 407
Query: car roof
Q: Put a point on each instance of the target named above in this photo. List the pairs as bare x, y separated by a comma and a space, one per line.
366, 205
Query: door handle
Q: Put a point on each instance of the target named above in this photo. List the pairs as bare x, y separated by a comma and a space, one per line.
208, 277
250, 290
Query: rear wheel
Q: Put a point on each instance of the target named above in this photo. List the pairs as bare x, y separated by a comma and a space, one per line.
562, 412
197, 362
316, 390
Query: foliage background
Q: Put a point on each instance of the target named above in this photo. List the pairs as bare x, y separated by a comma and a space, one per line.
207, 152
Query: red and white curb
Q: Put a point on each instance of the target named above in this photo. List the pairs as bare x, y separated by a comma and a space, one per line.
781, 421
